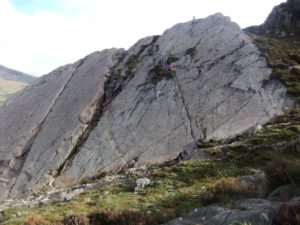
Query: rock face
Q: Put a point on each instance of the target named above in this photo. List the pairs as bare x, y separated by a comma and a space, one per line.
42, 125
285, 15
253, 211
200, 79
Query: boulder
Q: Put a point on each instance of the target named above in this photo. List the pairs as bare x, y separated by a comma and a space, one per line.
141, 183
294, 70
250, 211
253, 184
283, 193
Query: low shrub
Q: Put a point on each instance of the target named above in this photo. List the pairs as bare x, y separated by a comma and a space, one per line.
125, 217
281, 171
191, 51
131, 64
288, 214
36, 220
76, 220
161, 71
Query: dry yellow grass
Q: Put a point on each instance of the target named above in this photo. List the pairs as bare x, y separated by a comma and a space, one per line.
8, 87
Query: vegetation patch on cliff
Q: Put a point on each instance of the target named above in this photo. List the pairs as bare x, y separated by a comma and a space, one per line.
283, 54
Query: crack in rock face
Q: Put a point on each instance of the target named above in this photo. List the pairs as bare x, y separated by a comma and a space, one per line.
200, 79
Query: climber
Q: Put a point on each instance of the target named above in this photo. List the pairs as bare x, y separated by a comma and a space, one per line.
170, 67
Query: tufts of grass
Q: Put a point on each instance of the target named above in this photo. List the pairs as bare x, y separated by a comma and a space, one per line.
281, 171
282, 54
174, 191
240, 223
131, 64
159, 72
191, 51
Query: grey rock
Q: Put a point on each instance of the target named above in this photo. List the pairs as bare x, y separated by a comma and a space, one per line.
141, 183
227, 97
285, 15
283, 193
254, 184
41, 126
43, 201
73, 194
253, 211
103, 112
294, 70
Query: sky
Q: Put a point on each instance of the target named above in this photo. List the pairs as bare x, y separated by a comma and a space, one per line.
38, 36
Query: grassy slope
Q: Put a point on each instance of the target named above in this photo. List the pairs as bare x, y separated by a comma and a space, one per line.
177, 189
282, 53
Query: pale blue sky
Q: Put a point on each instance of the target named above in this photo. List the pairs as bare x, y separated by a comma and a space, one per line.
29, 6
39, 35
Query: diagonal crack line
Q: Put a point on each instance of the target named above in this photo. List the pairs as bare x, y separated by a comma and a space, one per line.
235, 113
39, 127
186, 108
117, 148
97, 115
161, 139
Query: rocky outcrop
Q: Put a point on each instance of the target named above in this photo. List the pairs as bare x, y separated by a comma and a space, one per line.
42, 125
285, 15
252, 211
200, 79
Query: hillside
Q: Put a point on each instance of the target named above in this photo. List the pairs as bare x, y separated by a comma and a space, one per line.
203, 120
12, 81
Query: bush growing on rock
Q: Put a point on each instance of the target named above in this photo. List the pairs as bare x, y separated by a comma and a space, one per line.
282, 171
159, 72
288, 214
126, 217
191, 51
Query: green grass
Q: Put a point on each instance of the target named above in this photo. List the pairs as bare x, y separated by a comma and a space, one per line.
178, 189
282, 53
2, 99
174, 191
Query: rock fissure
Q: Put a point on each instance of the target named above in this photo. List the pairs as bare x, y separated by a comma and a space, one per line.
110, 92
160, 139
117, 147
40, 126
189, 117
236, 113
